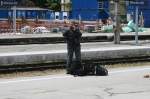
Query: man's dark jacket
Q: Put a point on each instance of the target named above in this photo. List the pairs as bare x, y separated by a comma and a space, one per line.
73, 37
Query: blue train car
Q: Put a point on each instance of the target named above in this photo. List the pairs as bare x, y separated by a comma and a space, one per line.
89, 9
143, 9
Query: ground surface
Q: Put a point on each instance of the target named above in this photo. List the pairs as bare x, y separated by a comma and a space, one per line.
122, 83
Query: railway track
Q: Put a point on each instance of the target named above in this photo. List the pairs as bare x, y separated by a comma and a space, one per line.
48, 39
61, 64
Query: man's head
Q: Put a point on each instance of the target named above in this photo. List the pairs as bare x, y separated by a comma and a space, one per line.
72, 27
76, 24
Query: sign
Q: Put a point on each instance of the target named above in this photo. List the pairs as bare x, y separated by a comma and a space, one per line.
8, 3
137, 2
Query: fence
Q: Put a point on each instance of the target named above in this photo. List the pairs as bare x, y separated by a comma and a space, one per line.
6, 27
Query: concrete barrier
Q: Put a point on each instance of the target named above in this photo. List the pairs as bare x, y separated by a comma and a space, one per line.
39, 57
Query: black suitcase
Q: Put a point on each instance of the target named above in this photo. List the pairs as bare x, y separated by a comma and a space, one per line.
101, 71
95, 69
89, 69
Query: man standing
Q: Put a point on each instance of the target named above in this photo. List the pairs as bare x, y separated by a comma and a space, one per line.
73, 37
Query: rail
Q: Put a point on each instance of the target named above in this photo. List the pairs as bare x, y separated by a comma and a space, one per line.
61, 64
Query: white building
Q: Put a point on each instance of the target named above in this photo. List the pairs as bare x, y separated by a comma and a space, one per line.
65, 5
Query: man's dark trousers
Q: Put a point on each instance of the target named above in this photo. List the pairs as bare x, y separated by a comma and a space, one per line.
73, 50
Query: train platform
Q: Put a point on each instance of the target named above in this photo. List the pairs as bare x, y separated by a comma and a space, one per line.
121, 83
51, 38
47, 53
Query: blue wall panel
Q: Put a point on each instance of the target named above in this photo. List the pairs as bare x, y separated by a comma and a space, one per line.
88, 10
3, 14
29, 14
145, 9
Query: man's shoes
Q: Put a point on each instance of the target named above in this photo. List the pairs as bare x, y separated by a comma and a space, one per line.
79, 72
69, 71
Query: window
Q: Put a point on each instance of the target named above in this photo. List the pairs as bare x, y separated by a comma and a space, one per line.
57, 17
100, 5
